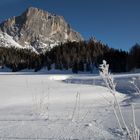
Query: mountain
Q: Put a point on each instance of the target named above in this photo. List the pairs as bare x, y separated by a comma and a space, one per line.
37, 30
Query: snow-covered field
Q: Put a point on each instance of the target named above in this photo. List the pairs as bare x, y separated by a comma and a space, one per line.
63, 107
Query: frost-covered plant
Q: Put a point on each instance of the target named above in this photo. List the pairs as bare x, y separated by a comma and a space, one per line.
134, 83
41, 106
135, 130
109, 81
76, 107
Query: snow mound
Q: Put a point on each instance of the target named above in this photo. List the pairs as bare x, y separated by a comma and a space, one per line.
59, 77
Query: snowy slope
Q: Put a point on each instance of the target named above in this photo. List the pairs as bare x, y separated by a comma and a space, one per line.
34, 106
8, 41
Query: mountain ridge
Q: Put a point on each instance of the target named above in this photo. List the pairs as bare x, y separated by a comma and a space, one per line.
39, 29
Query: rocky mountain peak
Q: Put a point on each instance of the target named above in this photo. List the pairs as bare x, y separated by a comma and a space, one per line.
39, 29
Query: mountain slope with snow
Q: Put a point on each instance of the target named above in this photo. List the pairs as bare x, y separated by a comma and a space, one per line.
8, 41
39, 29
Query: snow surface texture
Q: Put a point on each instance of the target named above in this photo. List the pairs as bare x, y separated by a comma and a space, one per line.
68, 107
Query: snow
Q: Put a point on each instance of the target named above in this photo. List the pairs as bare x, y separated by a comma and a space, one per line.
61, 106
8, 41
136, 70
53, 44
59, 77
66, 36
5, 69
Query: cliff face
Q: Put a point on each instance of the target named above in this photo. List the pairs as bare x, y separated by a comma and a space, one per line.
39, 29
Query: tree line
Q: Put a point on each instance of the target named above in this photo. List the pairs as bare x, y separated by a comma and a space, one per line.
77, 56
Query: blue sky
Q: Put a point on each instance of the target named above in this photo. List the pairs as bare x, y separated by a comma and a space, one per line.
114, 22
